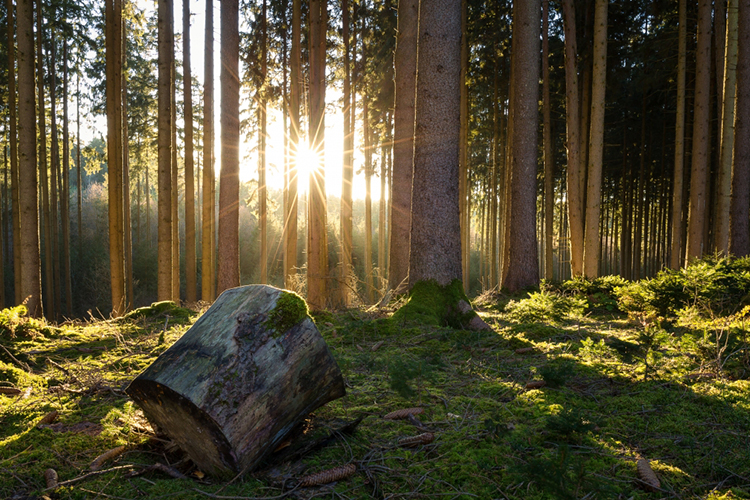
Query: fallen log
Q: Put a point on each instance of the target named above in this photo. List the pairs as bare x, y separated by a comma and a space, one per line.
251, 368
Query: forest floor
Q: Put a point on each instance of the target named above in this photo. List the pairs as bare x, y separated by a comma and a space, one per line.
615, 390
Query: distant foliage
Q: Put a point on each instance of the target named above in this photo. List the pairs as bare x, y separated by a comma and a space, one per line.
717, 286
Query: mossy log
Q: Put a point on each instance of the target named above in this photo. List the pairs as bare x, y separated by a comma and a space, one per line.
251, 368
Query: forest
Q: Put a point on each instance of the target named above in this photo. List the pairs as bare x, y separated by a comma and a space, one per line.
522, 227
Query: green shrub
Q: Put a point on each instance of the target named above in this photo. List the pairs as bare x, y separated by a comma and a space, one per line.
545, 306
718, 286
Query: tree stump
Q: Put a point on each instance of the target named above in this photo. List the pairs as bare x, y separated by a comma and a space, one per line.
249, 370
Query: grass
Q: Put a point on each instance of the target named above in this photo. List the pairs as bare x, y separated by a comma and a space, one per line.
616, 389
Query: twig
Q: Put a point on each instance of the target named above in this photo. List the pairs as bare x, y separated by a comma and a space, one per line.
92, 474
19, 363
64, 370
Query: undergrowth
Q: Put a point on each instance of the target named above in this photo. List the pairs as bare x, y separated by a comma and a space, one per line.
673, 389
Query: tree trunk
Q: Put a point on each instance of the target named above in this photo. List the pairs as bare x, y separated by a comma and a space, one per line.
701, 132
164, 122
45, 215
14, 154
368, 194
290, 225
405, 62
521, 268
317, 238
381, 219
65, 195
208, 243
596, 144
113, 12
435, 226
549, 166
79, 177
347, 177
262, 119
175, 170
573, 122
727, 132
464, 190
229, 185
126, 215
30, 269
739, 231
675, 257
191, 272
250, 369
54, 177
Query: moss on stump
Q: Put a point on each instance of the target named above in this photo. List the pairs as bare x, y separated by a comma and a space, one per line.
441, 305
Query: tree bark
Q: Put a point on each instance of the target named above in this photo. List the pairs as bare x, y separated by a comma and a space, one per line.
573, 122
521, 269
701, 133
596, 144
739, 232
65, 195
208, 240
405, 62
435, 225
368, 192
229, 185
464, 190
30, 269
45, 215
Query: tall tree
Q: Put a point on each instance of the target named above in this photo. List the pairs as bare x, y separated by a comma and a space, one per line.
191, 273
14, 152
727, 131
405, 62
464, 191
549, 195
113, 30
596, 143
317, 246
208, 241
164, 122
65, 194
573, 124
435, 226
739, 233
675, 258
229, 185
46, 211
262, 132
347, 175
290, 224
521, 269
701, 132
30, 269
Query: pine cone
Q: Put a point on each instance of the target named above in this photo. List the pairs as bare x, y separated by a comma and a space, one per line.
329, 476
647, 475
403, 413
412, 441
50, 477
535, 384
107, 455
48, 418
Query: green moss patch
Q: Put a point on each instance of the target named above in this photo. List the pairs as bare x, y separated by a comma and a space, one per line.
290, 310
433, 304
160, 310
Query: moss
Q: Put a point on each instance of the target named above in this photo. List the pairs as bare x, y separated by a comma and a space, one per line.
163, 308
433, 304
290, 309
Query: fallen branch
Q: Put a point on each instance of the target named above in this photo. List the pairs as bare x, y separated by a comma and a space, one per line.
90, 475
21, 364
